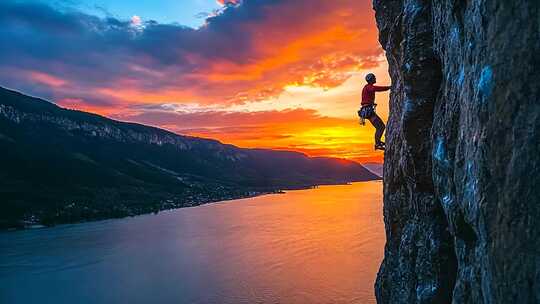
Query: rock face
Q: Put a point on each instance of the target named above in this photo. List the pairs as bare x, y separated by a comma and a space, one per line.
462, 167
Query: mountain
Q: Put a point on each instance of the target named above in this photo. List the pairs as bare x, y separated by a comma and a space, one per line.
462, 167
375, 168
61, 165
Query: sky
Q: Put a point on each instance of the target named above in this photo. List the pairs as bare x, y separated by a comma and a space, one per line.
190, 13
279, 74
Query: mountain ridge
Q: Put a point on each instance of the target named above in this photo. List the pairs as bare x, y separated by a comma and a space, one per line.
65, 165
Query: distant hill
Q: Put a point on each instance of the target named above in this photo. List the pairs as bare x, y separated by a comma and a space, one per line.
61, 165
376, 168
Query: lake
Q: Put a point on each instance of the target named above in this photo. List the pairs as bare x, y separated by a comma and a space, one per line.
320, 245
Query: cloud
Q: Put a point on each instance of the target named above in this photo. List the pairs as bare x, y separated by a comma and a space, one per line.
136, 21
246, 53
225, 2
47, 79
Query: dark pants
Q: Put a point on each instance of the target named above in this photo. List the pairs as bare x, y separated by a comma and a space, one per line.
377, 122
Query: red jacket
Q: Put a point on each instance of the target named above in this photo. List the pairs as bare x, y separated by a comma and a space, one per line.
368, 93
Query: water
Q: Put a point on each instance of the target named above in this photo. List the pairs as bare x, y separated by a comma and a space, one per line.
310, 246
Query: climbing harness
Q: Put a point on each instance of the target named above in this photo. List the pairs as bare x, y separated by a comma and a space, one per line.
366, 112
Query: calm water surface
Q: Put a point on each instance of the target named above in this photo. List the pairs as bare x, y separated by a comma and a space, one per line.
310, 246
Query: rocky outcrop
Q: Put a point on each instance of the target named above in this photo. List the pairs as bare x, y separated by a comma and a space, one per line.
103, 129
462, 167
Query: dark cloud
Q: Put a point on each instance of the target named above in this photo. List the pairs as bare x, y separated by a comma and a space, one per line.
248, 51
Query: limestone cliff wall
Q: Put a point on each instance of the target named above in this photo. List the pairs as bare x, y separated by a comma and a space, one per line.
462, 167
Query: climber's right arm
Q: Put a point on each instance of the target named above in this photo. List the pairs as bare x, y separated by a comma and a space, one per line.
381, 88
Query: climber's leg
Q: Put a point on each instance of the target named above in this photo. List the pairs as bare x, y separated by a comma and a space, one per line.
377, 122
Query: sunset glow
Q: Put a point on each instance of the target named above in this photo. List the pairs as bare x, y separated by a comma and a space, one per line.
266, 74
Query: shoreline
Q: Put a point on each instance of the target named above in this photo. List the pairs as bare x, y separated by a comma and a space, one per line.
39, 226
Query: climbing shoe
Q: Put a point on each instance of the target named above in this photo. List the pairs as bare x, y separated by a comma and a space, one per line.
380, 146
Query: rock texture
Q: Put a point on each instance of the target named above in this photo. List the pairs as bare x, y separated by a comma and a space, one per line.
462, 167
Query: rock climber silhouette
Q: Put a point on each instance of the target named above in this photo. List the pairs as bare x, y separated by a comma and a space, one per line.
367, 110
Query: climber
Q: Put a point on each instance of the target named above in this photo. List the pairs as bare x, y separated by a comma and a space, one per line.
367, 111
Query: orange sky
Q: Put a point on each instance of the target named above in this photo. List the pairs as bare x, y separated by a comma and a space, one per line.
281, 75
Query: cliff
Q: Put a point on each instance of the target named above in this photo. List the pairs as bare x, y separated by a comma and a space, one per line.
462, 165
